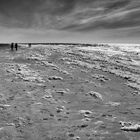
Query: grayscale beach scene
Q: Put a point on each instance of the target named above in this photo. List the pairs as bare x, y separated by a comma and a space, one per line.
69, 70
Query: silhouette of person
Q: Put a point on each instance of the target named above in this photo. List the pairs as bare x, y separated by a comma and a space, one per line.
16, 46
29, 45
12, 46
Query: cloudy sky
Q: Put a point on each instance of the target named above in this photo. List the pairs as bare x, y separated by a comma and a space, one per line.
86, 21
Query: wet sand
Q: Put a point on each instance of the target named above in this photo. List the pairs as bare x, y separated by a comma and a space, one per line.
70, 92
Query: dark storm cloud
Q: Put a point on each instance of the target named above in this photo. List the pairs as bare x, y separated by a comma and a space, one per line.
75, 15
21, 7
116, 14
23, 12
117, 4
126, 19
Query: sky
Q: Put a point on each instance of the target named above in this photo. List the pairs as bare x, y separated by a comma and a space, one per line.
72, 21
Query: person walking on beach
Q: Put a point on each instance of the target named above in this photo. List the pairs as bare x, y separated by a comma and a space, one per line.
16, 46
12, 46
29, 45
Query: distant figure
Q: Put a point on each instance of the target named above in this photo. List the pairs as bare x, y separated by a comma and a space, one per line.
12, 46
29, 45
16, 46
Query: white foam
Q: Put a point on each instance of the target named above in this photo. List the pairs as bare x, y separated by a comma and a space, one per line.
112, 49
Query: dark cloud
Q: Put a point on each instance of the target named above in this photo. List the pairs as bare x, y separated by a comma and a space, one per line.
22, 12
116, 4
74, 15
125, 19
21, 7
120, 14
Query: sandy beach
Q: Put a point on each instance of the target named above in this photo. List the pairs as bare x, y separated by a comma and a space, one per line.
70, 92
